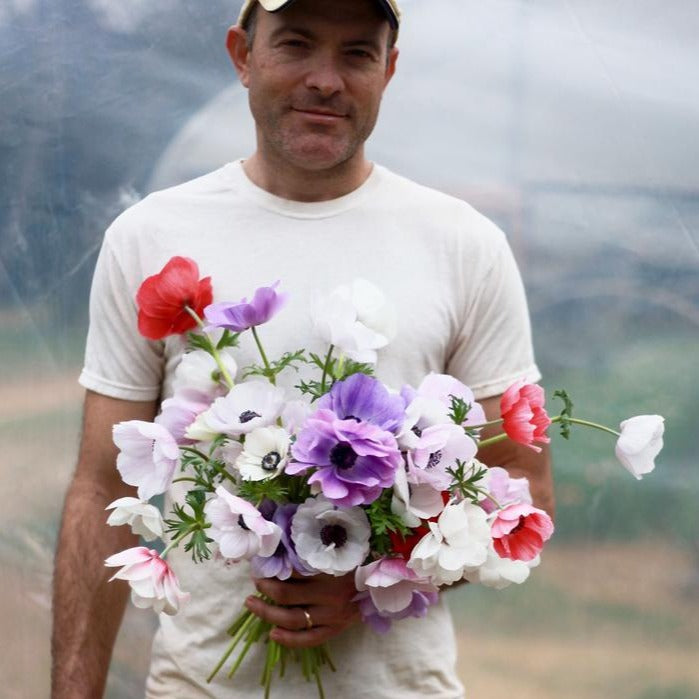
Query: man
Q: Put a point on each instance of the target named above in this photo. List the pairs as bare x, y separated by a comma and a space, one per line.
306, 207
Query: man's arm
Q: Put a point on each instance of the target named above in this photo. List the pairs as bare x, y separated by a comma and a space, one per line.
519, 460
86, 610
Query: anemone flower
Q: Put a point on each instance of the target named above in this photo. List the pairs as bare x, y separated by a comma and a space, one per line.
152, 582
352, 461
148, 456
239, 528
329, 539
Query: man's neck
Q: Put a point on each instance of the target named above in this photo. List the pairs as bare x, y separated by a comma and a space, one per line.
298, 184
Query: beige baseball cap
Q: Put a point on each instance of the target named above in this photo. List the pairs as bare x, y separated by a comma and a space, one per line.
390, 7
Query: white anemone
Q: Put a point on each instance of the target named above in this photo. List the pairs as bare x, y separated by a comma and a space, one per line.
247, 406
239, 529
148, 456
500, 573
329, 539
413, 503
145, 520
265, 453
355, 318
199, 371
457, 543
640, 442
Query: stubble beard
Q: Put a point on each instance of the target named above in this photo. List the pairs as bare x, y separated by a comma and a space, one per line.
311, 148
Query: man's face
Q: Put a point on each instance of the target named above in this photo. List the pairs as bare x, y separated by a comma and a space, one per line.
316, 74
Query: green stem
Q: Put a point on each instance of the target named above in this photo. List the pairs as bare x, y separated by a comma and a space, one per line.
326, 657
222, 472
485, 424
248, 643
586, 423
212, 348
198, 453
559, 418
248, 619
492, 440
487, 495
326, 367
175, 542
265, 361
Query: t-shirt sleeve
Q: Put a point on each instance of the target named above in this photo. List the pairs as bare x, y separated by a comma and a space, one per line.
119, 362
494, 346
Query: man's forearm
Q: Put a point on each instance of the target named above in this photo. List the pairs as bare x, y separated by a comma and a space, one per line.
86, 610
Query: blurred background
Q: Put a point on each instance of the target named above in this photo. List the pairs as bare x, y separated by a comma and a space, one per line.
574, 124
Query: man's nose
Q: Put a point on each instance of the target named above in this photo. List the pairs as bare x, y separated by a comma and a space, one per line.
325, 76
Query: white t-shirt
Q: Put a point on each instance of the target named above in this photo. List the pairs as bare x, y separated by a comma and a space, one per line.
461, 309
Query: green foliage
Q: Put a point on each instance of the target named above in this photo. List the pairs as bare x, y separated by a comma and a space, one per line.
311, 388
228, 339
344, 368
194, 525
566, 413
269, 489
206, 472
383, 522
459, 410
333, 369
465, 478
276, 367
199, 341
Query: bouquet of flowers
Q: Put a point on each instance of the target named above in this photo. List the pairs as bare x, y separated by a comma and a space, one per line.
349, 476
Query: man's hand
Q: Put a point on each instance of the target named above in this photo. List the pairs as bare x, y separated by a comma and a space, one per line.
327, 601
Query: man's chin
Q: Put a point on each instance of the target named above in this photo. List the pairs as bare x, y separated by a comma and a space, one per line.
317, 159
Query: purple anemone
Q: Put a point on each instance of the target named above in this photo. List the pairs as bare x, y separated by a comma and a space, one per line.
381, 621
362, 397
240, 316
284, 561
354, 460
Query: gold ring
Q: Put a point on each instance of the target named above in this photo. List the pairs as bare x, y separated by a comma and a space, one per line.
309, 621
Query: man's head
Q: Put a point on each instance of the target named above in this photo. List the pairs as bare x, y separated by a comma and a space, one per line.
316, 72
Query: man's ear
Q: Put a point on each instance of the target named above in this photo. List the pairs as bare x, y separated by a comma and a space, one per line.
237, 45
391, 65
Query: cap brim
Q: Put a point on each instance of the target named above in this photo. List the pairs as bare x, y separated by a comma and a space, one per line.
390, 11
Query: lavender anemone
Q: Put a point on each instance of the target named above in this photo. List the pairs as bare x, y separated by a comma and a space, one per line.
354, 460
364, 398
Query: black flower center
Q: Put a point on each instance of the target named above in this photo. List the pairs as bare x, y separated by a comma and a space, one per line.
241, 523
247, 416
352, 417
435, 458
417, 431
271, 461
342, 455
333, 534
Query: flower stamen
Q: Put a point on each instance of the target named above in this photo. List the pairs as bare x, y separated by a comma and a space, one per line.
271, 460
247, 415
333, 534
342, 455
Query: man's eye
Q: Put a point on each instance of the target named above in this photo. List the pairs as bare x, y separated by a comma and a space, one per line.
359, 53
295, 44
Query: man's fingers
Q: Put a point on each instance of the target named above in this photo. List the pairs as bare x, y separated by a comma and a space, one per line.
291, 618
302, 592
303, 639
295, 593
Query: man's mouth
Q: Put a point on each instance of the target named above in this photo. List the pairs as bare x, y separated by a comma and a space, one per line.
320, 114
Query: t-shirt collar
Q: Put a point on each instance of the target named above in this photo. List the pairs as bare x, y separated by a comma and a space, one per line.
299, 209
